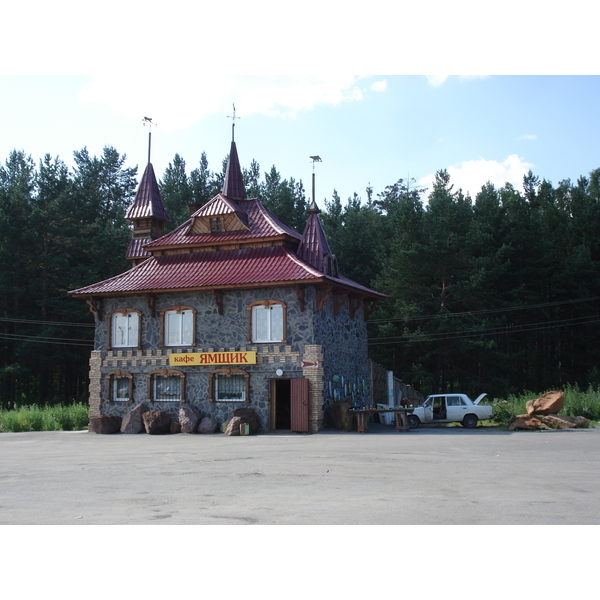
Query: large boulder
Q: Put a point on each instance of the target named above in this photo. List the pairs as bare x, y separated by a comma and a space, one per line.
132, 421
233, 427
248, 415
565, 422
523, 422
208, 425
157, 422
189, 417
547, 404
105, 424
175, 427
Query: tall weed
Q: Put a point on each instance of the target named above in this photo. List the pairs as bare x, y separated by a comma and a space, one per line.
50, 418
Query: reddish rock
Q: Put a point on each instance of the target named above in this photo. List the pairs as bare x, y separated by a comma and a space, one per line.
565, 422
175, 427
189, 417
248, 415
523, 422
233, 427
208, 425
547, 404
132, 421
105, 424
157, 422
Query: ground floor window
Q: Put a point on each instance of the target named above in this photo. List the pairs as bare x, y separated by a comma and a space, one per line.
166, 386
229, 385
120, 386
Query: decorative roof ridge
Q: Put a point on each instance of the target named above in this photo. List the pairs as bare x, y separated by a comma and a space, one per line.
275, 222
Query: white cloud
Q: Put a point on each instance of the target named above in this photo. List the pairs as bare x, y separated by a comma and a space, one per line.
529, 136
379, 86
436, 80
176, 102
471, 175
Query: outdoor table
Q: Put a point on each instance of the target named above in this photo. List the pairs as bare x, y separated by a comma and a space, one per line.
399, 412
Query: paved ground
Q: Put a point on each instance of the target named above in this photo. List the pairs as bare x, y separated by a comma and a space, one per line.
427, 476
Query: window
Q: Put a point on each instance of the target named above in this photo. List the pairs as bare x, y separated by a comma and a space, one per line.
166, 386
454, 401
229, 385
267, 322
179, 325
120, 386
216, 224
124, 328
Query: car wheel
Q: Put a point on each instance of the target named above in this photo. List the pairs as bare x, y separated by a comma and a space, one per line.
469, 421
413, 421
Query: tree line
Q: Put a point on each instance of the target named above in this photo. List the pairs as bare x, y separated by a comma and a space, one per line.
496, 293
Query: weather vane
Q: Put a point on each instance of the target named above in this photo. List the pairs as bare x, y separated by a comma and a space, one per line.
315, 159
233, 118
148, 121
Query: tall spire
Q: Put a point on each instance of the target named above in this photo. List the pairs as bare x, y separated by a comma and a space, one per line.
233, 185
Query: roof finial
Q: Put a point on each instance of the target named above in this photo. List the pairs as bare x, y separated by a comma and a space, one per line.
313, 207
148, 121
233, 118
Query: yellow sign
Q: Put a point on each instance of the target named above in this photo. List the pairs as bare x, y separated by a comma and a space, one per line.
183, 359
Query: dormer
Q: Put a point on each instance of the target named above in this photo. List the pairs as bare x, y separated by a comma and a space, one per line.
217, 216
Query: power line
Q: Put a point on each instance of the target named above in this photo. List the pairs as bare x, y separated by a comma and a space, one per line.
45, 340
57, 323
482, 312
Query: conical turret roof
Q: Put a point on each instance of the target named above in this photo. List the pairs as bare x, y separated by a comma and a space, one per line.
314, 248
233, 186
148, 202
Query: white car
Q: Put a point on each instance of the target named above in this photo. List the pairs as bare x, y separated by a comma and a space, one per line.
449, 408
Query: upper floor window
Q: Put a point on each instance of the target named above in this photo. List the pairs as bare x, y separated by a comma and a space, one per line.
216, 224
125, 328
267, 321
179, 325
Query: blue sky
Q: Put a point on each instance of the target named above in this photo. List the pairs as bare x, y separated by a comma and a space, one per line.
367, 130
88, 80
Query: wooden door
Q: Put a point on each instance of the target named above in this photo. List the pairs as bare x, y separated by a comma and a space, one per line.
299, 405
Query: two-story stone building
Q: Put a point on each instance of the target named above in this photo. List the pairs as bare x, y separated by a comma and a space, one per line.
232, 308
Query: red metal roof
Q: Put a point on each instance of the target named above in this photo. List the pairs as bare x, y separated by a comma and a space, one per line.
314, 248
148, 202
228, 268
136, 248
262, 223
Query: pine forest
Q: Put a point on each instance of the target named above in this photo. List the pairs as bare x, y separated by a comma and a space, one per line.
498, 293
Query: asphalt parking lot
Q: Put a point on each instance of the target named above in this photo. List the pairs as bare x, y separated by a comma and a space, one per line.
447, 476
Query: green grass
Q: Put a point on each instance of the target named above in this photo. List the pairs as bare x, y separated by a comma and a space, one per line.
578, 403
69, 417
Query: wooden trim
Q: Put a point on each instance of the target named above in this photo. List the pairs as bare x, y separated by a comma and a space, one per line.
339, 299
323, 292
120, 374
266, 303
165, 373
228, 372
354, 304
95, 305
123, 311
218, 295
151, 302
178, 309
301, 296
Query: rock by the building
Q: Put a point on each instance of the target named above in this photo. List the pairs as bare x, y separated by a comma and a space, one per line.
189, 417
341, 417
248, 415
105, 424
565, 422
175, 427
547, 404
233, 427
132, 422
157, 422
208, 425
523, 422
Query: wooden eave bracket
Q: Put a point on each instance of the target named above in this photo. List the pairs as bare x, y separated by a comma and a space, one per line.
218, 295
323, 292
355, 302
369, 308
300, 295
151, 302
339, 298
95, 305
